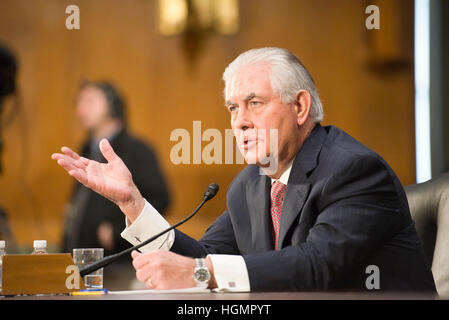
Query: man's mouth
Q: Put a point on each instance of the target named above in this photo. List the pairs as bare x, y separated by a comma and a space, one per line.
249, 143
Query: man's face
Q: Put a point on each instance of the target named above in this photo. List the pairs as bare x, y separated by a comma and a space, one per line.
255, 111
92, 108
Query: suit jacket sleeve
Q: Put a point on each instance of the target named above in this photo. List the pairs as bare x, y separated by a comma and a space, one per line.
356, 211
218, 239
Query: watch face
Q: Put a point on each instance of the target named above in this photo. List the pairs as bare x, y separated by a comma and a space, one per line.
202, 275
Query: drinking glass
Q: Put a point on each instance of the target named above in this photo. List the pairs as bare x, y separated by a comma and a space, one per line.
85, 256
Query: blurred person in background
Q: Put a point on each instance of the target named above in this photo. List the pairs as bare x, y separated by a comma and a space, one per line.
91, 220
8, 71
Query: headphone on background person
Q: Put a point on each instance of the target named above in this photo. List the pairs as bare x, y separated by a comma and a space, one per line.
116, 103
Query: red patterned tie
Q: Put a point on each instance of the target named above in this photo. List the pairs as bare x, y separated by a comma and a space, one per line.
277, 196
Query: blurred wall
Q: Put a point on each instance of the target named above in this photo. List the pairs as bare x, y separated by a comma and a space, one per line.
165, 90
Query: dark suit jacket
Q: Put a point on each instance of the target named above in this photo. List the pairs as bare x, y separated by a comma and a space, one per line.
344, 209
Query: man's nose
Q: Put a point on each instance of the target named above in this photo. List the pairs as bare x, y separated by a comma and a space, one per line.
243, 120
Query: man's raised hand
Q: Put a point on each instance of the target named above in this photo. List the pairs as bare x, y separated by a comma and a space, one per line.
112, 180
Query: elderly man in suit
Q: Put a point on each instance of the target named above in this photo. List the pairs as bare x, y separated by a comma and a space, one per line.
330, 212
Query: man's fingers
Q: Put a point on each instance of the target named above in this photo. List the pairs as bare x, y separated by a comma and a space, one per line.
140, 260
84, 161
65, 163
107, 151
56, 156
142, 266
143, 274
79, 175
164, 269
70, 153
68, 162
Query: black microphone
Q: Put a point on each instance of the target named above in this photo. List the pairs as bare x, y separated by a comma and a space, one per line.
211, 191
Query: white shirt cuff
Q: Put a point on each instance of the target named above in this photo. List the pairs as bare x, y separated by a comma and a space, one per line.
149, 223
230, 273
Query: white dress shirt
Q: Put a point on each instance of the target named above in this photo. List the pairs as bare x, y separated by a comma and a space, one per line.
230, 271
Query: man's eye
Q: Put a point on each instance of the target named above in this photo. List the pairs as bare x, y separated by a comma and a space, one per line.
255, 103
232, 108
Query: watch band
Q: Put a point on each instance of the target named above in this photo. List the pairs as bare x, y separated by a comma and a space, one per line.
200, 263
201, 274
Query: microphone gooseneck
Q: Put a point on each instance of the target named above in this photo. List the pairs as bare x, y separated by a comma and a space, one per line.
211, 191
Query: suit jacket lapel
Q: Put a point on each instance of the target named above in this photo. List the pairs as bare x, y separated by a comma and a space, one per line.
298, 186
258, 202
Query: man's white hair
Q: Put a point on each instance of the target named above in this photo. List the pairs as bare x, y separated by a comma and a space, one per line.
288, 76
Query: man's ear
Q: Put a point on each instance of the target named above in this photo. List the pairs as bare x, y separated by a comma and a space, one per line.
303, 101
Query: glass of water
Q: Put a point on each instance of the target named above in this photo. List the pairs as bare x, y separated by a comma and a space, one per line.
84, 257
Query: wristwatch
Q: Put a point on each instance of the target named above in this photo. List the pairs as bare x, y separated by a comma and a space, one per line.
201, 274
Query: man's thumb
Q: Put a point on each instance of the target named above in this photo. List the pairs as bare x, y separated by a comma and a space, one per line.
135, 254
107, 151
